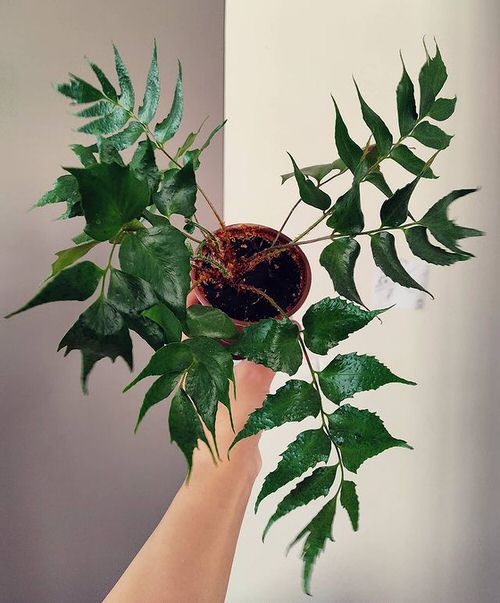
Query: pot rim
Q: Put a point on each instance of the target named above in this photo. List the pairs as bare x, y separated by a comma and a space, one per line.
284, 239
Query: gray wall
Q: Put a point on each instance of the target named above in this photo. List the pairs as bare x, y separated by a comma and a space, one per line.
79, 492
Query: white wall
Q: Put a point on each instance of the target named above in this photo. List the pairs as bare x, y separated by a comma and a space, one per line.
429, 525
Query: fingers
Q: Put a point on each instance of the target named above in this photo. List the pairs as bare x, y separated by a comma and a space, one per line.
256, 376
191, 299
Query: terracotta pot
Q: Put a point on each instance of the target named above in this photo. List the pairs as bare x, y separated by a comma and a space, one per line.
267, 233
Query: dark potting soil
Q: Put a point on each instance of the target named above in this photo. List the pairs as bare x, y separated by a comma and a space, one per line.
280, 277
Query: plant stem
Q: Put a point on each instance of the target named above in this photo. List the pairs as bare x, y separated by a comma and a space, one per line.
265, 296
209, 260
107, 268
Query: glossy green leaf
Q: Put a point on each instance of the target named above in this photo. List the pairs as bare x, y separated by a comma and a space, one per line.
273, 343
126, 138
166, 129
67, 257
158, 255
79, 90
318, 172
210, 322
349, 500
394, 211
75, 283
443, 228
407, 159
294, 401
339, 259
377, 179
127, 95
98, 109
129, 294
144, 166
310, 488
178, 192
167, 320
148, 330
385, 255
161, 389
65, 190
349, 151
85, 154
405, 95
82, 238
418, 241
349, 374
332, 320
360, 435
185, 426
309, 192
431, 136
107, 124
107, 87
307, 450
443, 108
108, 152
376, 125
111, 196
152, 93
431, 79
347, 217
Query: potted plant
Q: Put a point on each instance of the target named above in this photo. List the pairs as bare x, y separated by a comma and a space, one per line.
249, 279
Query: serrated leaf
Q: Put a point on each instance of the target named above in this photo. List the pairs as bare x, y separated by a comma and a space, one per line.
442, 228
178, 192
124, 139
407, 159
99, 109
111, 196
185, 426
314, 486
377, 179
431, 136
376, 125
318, 172
85, 154
158, 255
431, 79
332, 320
394, 211
75, 283
210, 322
127, 95
67, 257
143, 164
386, 257
349, 374
167, 320
443, 108
107, 124
161, 389
318, 531
418, 242
129, 294
349, 151
349, 500
360, 435
79, 90
307, 450
309, 192
347, 217
405, 95
65, 190
108, 152
294, 401
152, 93
107, 86
339, 259
273, 343
166, 129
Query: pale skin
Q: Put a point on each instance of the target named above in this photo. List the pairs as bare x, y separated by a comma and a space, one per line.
188, 557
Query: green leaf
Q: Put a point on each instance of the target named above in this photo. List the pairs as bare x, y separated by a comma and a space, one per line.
295, 401
405, 95
146, 329
75, 283
161, 389
79, 90
407, 159
349, 374
144, 166
127, 96
173, 358
158, 255
349, 151
66, 257
167, 320
178, 192
332, 320
107, 124
111, 196
318, 531
385, 256
166, 129
152, 94
309, 192
129, 294
442, 228
443, 108
124, 139
107, 86
349, 500
99, 332
347, 217
318, 172
339, 259
82, 238
394, 211
418, 242
360, 435
84, 154
432, 78
192, 156
98, 109
377, 179
307, 450
314, 486
431, 136
65, 190
210, 322
108, 152
376, 125
185, 426
273, 343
